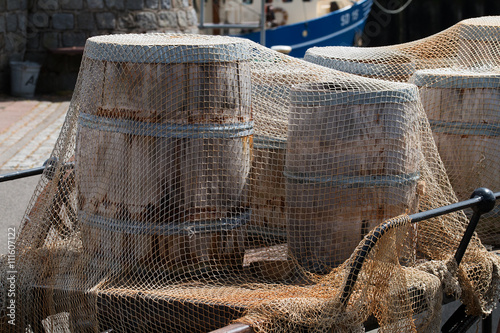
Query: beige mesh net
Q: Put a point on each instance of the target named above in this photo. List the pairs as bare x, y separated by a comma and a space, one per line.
457, 72
204, 180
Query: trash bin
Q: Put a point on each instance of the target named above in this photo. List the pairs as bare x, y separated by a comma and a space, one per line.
24, 75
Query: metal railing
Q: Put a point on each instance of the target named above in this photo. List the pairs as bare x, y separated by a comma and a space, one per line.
261, 24
49, 167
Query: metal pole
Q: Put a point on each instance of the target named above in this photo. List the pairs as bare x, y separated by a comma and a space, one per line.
202, 14
467, 236
22, 174
487, 324
263, 23
50, 165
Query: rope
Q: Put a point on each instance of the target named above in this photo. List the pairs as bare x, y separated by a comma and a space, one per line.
395, 11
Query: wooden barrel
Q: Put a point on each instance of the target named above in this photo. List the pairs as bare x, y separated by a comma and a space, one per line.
271, 85
163, 149
377, 63
479, 42
463, 111
352, 162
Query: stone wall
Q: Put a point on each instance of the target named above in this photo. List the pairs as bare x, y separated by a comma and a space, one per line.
13, 18
41, 26
64, 23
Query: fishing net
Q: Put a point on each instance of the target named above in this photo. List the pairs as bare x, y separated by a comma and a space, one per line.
204, 180
457, 72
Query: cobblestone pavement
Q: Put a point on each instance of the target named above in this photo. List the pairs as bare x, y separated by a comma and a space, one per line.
28, 131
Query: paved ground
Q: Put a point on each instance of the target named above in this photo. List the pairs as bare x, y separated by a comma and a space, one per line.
28, 132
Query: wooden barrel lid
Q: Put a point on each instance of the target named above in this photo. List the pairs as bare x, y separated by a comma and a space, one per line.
349, 93
362, 60
166, 48
454, 78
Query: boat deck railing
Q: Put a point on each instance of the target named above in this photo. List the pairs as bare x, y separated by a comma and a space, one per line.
261, 25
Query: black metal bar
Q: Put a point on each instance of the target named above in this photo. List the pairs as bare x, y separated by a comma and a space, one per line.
464, 242
50, 165
487, 324
444, 210
482, 201
21, 174
459, 321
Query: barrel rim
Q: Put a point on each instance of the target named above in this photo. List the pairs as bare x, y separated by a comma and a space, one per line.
268, 142
356, 53
349, 93
355, 61
368, 69
133, 227
354, 181
464, 128
166, 48
162, 130
456, 78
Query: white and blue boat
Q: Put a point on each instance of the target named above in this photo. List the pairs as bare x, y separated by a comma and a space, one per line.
295, 24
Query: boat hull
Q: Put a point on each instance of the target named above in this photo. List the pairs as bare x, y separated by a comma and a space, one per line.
339, 28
